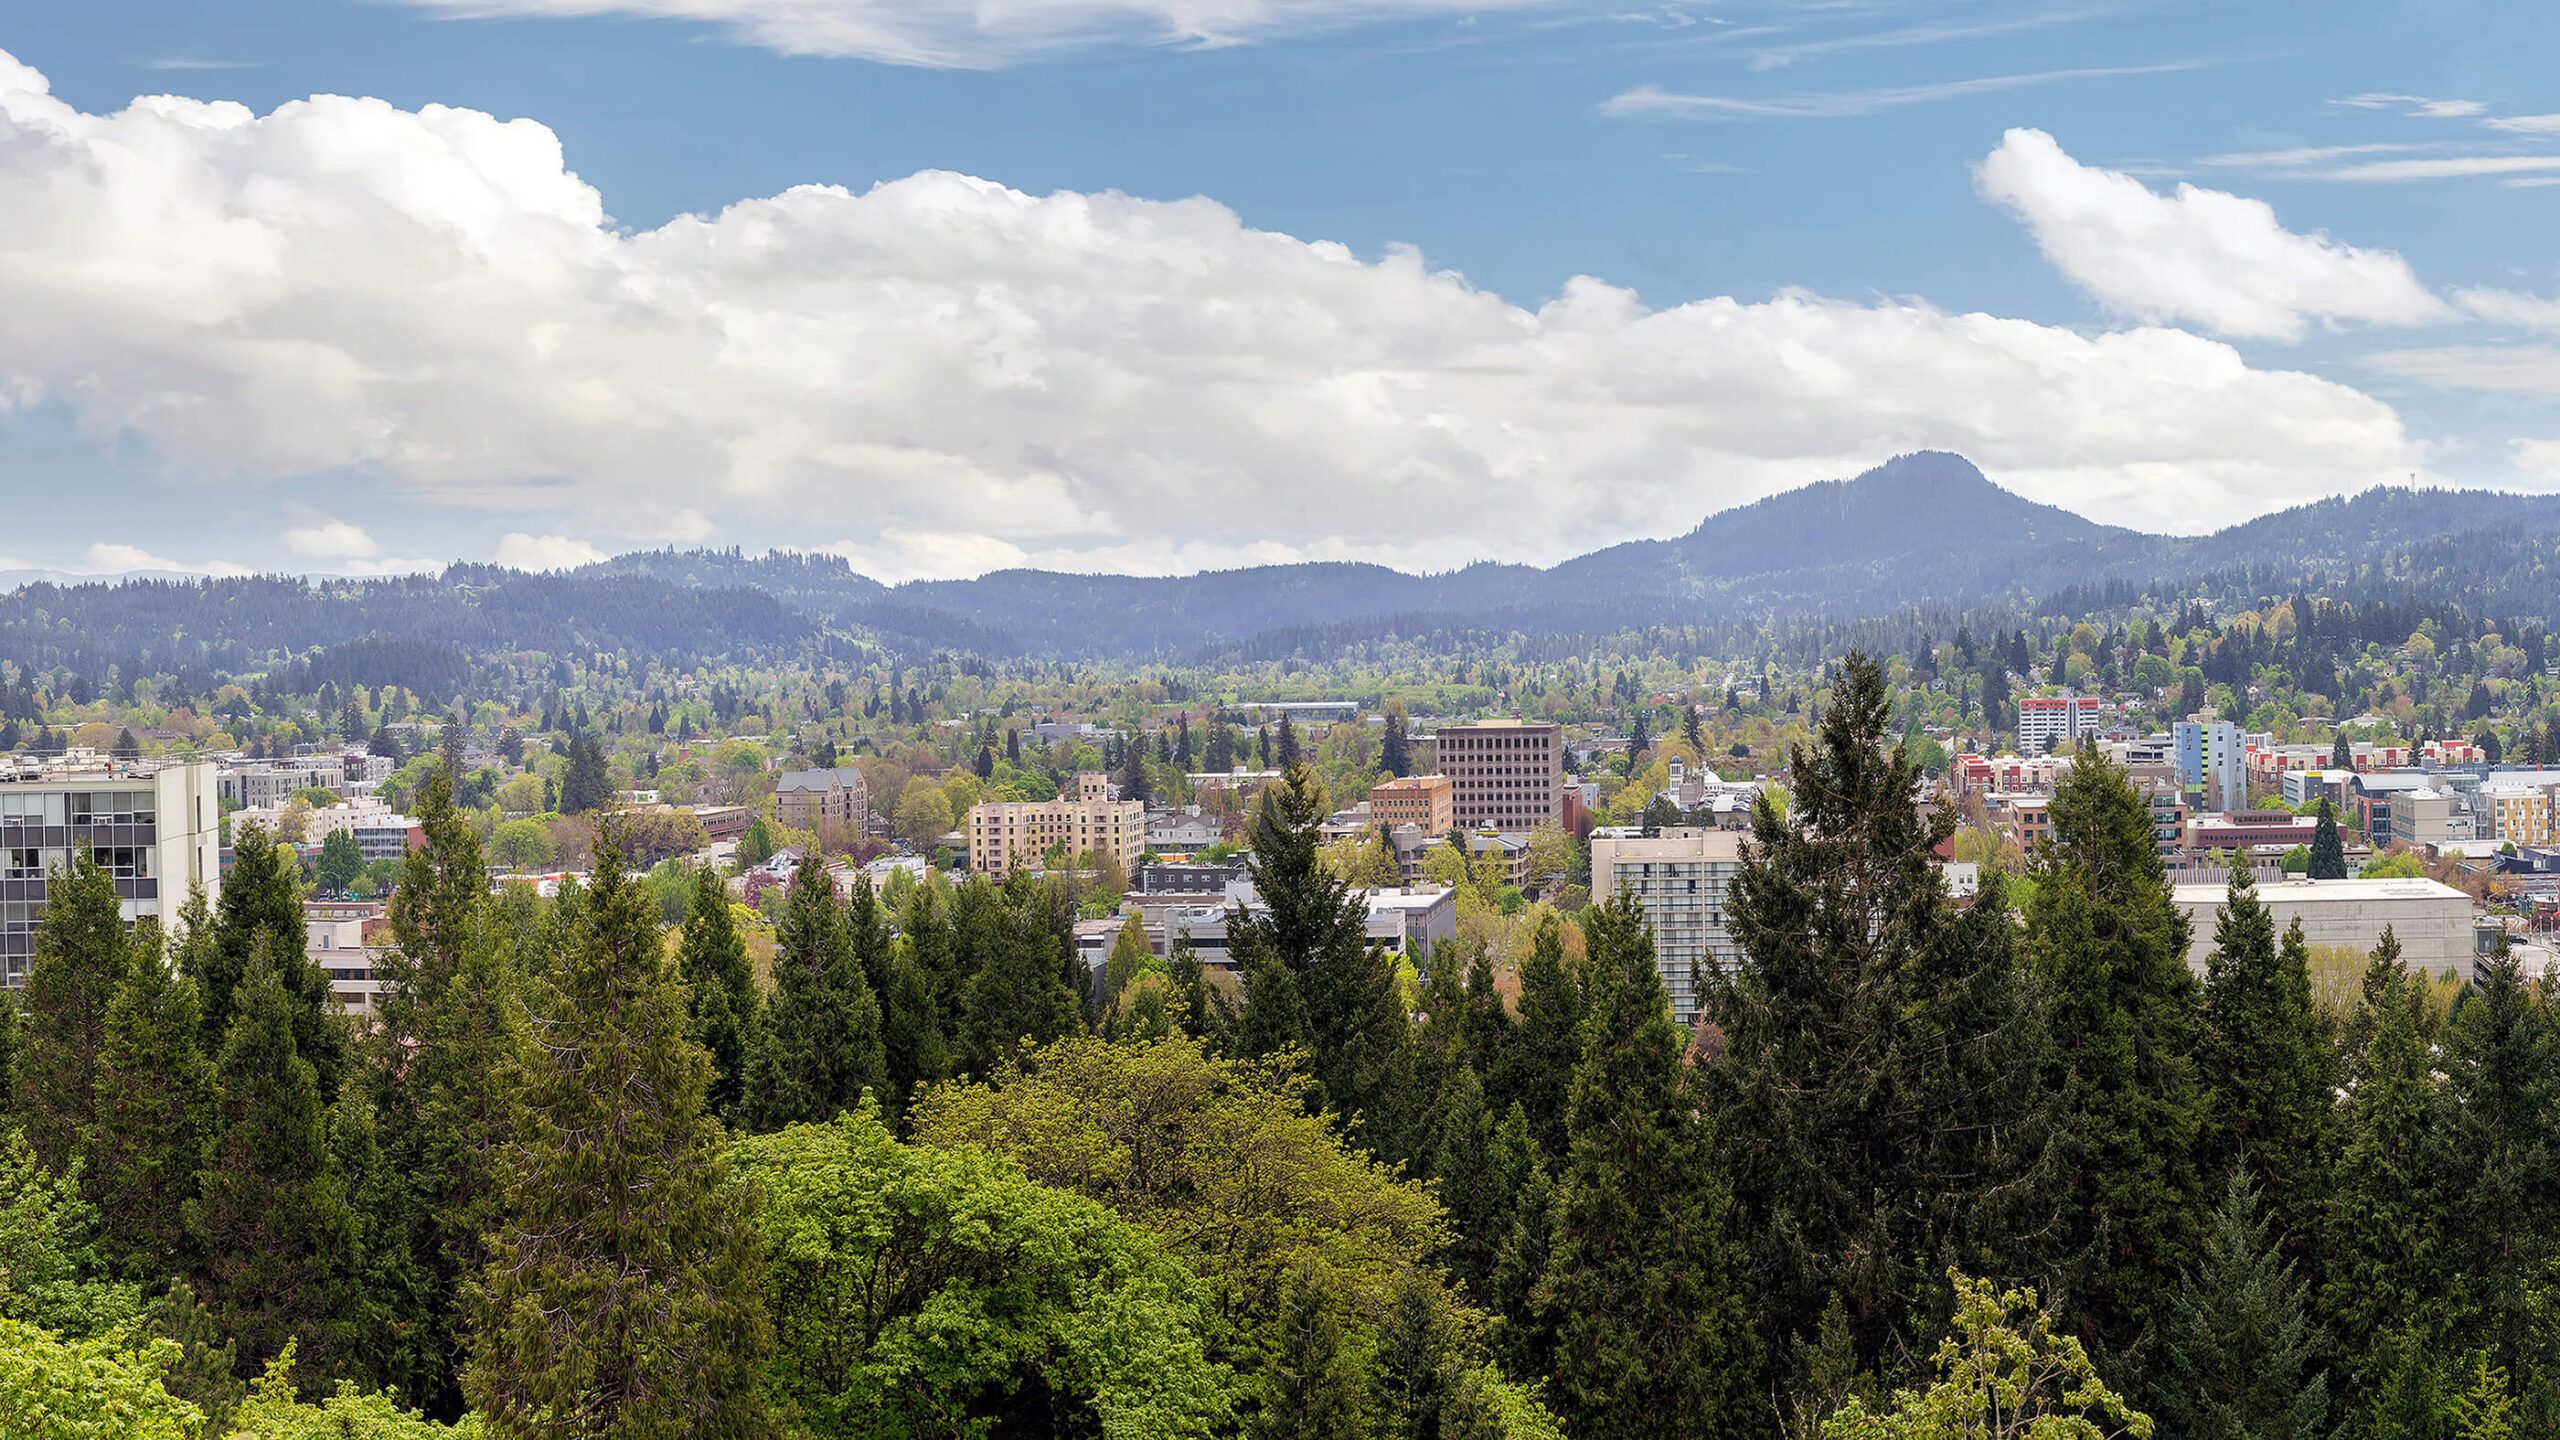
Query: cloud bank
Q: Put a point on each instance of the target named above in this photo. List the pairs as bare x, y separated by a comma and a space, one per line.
940, 374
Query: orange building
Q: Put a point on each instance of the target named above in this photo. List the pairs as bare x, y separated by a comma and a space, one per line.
1429, 802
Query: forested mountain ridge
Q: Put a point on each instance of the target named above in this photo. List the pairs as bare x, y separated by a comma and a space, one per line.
1926, 530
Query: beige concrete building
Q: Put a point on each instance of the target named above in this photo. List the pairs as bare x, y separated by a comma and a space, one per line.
1008, 835
1506, 774
2431, 920
1680, 877
1426, 802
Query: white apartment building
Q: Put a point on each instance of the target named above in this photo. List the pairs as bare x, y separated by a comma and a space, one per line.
156, 829
333, 935
2045, 721
1680, 877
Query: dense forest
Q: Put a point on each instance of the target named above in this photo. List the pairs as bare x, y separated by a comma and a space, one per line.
1924, 1169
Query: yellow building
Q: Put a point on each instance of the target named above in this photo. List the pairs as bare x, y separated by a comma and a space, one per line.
1008, 835
2521, 813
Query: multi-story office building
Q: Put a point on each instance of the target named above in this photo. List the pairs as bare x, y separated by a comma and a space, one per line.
1008, 835
1426, 802
1506, 774
156, 830
805, 799
2045, 721
1680, 878
2212, 763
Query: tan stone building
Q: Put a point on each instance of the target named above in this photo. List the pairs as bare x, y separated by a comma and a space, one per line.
1507, 774
1427, 802
1008, 835
804, 798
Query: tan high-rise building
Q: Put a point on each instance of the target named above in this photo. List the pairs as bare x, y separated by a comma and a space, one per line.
1508, 774
1008, 835
1428, 802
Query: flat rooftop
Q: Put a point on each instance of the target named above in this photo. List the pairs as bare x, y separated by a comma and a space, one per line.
2316, 892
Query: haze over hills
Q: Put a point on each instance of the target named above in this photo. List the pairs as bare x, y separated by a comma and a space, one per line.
1923, 531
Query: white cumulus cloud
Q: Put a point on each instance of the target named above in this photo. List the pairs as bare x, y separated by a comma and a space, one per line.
331, 540
519, 551
2539, 459
430, 300
112, 558
982, 33
2208, 257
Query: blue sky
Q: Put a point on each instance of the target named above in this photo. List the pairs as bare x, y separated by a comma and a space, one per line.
1601, 270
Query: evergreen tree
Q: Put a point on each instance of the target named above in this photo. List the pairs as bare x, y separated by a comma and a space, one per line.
1880, 1106
720, 990
1315, 932
1317, 1387
2384, 1247
1536, 1072
1643, 1282
154, 1119
2267, 1064
2501, 1140
1133, 774
1016, 964
2110, 951
819, 1047
438, 1060
2328, 852
82, 956
260, 913
271, 1222
1285, 750
2342, 754
1639, 739
1395, 748
586, 785
2238, 1360
621, 1298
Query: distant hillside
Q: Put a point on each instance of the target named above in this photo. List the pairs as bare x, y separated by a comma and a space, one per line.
1922, 535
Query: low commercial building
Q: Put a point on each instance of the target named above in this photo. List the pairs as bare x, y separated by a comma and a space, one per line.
1427, 802
156, 829
2247, 829
2431, 920
1006, 835
1680, 877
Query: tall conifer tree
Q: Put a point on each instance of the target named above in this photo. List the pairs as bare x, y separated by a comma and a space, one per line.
82, 956
2267, 1062
621, 1298
2384, 1237
2110, 950
1880, 1107
1643, 1284
819, 1047
275, 1233
153, 1125
1315, 932
720, 990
